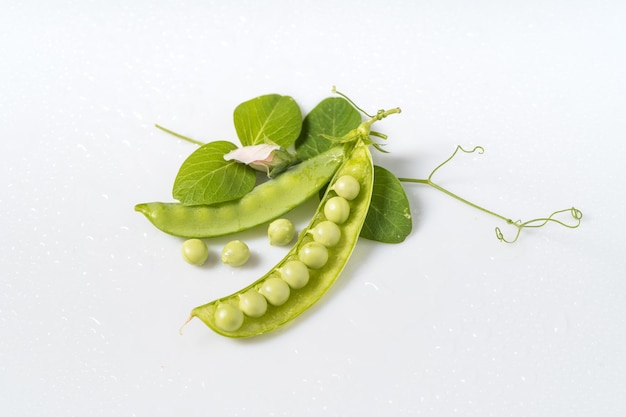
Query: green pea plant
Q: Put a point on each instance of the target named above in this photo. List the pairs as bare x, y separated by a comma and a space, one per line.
325, 154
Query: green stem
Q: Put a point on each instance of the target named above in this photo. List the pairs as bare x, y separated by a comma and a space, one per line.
455, 196
195, 142
534, 223
366, 127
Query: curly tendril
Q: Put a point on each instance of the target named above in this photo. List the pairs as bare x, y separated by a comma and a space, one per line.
478, 149
576, 214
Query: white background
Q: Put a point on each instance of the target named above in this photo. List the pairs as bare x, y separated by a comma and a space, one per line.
450, 322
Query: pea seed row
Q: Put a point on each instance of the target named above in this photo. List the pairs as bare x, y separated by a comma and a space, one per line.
310, 267
276, 289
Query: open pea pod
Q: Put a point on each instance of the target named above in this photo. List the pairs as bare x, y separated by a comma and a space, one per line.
282, 299
314, 263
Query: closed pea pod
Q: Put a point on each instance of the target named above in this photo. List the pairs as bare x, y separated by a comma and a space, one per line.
290, 189
359, 166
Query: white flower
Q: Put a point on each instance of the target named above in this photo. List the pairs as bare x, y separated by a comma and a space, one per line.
265, 157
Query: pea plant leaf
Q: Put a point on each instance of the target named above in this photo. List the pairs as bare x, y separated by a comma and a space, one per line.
389, 217
334, 117
268, 119
206, 178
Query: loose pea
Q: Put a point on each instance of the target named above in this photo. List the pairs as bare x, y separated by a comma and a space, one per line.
314, 255
195, 251
337, 210
281, 232
275, 290
235, 253
327, 233
228, 317
347, 187
295, 273
252, 303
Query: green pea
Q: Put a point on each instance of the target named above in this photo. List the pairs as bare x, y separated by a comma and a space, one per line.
252, 303
195, 251
235, 253
327, 233
295, 273
314, 255
337, 210
275, 290
281, 232
347, 187
228, 317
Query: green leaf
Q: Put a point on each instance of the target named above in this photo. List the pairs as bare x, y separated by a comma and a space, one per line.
334, 117
389, 217
206, 178
268, 119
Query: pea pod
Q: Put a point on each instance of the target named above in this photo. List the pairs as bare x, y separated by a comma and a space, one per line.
264, 203
225, 315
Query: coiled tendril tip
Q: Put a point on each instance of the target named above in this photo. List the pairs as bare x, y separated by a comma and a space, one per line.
576, 214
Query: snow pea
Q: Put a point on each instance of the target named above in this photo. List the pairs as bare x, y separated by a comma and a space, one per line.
264, 203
